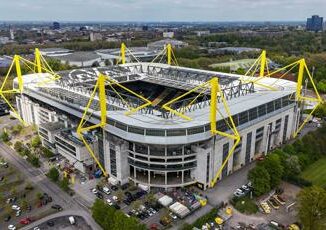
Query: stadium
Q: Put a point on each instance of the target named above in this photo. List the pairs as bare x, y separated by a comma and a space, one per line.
152, 145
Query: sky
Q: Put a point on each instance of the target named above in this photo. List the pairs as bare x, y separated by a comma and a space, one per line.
160, 10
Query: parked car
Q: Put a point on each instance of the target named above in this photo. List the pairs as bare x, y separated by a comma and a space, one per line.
50, 223
99, 195
173, 216
109, 202
19, 212
94, 190
114, 187
124, 186
25, 221
7, 218
15, 207
106, 190
57, 207
11, 227
116, 206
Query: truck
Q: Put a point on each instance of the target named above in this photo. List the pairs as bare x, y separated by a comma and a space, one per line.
72, 220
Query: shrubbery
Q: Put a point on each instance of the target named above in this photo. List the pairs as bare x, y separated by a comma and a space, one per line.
110, 218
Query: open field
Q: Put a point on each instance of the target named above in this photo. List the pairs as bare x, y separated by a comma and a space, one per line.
316, 173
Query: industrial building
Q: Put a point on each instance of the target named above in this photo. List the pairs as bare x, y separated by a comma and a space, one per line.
153, 146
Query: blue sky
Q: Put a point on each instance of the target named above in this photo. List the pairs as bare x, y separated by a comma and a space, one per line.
160, 10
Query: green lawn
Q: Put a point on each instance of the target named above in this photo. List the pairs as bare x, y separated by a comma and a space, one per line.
316, 173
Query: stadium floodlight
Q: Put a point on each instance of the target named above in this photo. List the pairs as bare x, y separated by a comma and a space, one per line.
216, 93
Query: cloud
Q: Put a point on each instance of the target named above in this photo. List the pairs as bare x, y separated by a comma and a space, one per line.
160, 10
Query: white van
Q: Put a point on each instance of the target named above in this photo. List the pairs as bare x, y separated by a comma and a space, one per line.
72, 220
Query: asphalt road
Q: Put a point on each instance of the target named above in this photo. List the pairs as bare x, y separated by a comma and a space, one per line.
37, 177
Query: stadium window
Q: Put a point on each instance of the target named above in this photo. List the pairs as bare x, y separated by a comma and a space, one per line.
270, 107
195, 130
253, 114
155, 132
262, 110
132, 129
175, 132
243, 117
278, 104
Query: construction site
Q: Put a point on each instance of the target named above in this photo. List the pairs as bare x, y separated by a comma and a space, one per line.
155, 123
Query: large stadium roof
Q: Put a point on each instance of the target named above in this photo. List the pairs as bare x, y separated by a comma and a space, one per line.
74, 88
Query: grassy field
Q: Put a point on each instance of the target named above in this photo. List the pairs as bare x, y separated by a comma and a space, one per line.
316, 173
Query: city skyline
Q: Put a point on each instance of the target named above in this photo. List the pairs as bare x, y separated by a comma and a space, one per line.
160, 10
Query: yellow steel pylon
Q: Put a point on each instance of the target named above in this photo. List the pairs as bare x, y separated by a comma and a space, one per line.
215, 92
40, 65
170, 56
101, 82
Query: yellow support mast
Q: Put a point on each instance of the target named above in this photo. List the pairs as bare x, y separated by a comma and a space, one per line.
123, 53
169, 53
38, 63
263, 63
215, 92
100, 85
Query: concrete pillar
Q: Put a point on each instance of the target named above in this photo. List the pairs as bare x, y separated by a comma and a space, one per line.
166, 178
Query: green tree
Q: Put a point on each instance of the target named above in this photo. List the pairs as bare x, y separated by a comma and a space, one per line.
4, 136
64, 184
136, 204
312, 208
274, 168
46, 152
260, 179
150, 198
53, 174
18, 146
36, 142
35, 161
292, 167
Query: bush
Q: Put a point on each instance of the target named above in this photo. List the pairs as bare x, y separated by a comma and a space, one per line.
4, 136
18, 146
209, 217
299, 181
64, 184
35, 161
47, 152
36, 142
53, 174
246, 205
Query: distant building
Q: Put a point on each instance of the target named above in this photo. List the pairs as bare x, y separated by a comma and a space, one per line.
145, 28
5, 62
315, 23
55, 52
202, 33
168, 34
12, 34
56, 26
233, 50
81, 59
95, 37
4, 40
162, 43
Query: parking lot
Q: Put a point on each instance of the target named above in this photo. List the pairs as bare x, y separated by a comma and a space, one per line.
21, 201
64, 223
